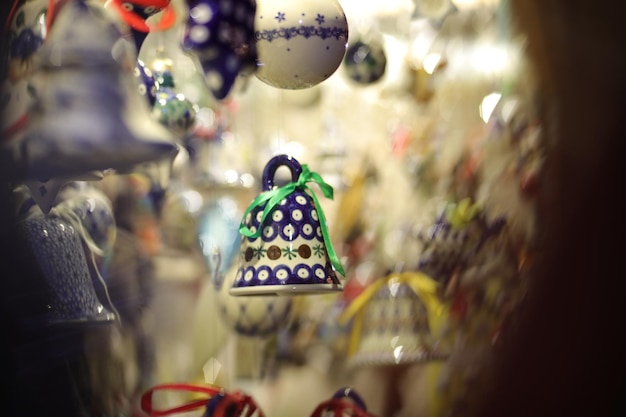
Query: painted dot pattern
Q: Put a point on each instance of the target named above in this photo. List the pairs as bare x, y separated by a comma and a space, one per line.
290, 250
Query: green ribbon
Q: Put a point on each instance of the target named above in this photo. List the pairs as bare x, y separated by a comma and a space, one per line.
272, 198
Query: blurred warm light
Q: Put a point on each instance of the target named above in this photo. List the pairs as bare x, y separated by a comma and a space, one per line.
430, 62
471, 4
490, 59
192, 200
488, 105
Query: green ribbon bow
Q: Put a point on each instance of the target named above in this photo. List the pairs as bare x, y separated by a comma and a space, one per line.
275, 196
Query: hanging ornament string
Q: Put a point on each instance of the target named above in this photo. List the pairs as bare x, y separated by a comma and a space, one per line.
421, 284
139, 23
244, 404
272, 199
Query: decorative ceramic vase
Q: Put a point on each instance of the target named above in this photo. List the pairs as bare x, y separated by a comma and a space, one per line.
89, 114
299, 43
220, 34
288, 249
56, 246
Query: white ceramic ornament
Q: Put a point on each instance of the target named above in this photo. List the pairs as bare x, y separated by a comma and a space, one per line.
299, 43
259, 316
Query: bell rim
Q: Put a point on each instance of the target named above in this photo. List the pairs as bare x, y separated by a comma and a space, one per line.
286, 289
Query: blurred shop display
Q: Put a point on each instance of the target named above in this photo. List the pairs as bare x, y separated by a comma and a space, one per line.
289, 201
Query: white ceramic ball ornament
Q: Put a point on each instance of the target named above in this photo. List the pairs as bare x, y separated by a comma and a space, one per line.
299, 43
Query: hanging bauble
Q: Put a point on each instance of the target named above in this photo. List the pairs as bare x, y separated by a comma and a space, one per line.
365, 62
171, 108
220, 34
89, 115
300, 44
258, 316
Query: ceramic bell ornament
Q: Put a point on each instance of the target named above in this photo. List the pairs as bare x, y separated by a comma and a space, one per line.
220, 35
55, 243
88, 113
286, 247
299, 43
24, 34
396, 320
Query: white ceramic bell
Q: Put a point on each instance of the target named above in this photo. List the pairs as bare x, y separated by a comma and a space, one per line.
299, 43
88, 113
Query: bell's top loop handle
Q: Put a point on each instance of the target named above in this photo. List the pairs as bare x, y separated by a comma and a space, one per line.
276, 162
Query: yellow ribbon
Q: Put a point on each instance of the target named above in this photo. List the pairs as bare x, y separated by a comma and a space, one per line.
459, 215
421, 284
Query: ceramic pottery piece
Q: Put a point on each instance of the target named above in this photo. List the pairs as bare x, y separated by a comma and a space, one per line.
290, 255
395, 330
365, 63
299, 43
220, 34
89, 114
172, 109
345, 401
261, 316
57, 248
146, 82
45, 193
218, 233
25, 34
453, 242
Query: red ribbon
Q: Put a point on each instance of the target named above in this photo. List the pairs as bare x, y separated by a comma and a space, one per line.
139, 23
244, 404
